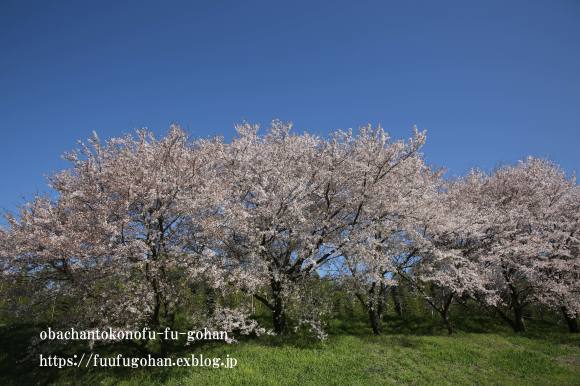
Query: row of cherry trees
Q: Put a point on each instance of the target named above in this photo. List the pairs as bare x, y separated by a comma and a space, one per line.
136, 222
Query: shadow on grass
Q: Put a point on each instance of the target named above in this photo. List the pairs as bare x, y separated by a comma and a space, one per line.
16, 365
20, 366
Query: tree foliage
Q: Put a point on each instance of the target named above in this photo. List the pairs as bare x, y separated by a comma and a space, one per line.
140, 229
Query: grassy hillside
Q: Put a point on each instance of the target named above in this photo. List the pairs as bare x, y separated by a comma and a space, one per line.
345, 359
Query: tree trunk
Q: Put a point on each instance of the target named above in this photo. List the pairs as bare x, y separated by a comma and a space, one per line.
518, 308
156, 316
375, 321
278, 312
155, 319
397, 300
443, 310
382, 301
445, 313
571, 322
519, 325
373, 311
448, 325
279, 317
210, 301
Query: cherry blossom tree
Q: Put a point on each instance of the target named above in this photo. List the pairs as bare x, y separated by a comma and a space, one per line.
127, 230
273, 226
391, 182
527, 212
295, 199
559, 265
138, 226
446, 236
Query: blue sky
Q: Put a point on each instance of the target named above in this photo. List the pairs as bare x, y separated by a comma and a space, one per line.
491, 81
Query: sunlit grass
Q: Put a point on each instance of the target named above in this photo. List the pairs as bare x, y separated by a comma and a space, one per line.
465, 358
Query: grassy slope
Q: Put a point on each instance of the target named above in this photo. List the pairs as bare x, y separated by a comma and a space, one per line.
351, 360
466, 358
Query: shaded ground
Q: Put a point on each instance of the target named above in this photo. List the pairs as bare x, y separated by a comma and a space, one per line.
350, 356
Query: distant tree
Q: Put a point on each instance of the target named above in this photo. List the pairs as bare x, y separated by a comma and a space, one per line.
443, 237
529, 218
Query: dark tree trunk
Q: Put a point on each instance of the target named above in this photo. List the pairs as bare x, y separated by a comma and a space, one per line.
382, 301
278, 312
210, 301
519, 325
445, 313
571, 322
397, 300
376, 307
276, 306
373, 307
155, 319
156, 316
279, 317
448, 325
442, 310
375, 321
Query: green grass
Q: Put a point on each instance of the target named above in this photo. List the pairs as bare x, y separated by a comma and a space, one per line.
344, 359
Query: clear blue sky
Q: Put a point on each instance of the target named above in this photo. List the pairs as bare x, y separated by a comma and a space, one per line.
492, 81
